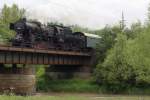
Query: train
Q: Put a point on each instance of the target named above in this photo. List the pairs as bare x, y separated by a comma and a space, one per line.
33, 34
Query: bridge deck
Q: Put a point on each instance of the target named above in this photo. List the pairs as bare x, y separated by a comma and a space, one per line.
14, 55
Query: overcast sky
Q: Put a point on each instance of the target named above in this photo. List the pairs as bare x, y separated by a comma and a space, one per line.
87, 13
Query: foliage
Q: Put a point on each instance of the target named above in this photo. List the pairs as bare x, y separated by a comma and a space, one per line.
139, 57
45, 84
148, 22
114, 69
107, 42
134, 30
9, 15
77, 28
127, 63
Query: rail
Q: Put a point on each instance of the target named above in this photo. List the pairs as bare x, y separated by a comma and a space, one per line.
47, 51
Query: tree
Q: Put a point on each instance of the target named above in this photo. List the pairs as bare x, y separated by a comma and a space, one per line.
124, 61
127, 63
9, 15
77, 28
107, 41
114, 69
16, 13
148, 14
139, 57
5, 14
134, 30
114, 64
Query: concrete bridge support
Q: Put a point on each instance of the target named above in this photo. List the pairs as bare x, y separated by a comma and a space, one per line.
66, 72
18, 79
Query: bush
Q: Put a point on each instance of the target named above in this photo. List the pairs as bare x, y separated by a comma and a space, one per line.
139, 57
67, 85
127, 64
114, 72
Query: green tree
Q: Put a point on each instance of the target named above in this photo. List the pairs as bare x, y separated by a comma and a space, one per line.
114, 69
127, 58
127, 63
16, 13
107, 41
148, 14
139, 57
77, 28
9, 15
5, 14
134, 30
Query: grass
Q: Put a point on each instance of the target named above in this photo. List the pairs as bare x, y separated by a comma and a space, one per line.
72, 85
74, 97
40, 98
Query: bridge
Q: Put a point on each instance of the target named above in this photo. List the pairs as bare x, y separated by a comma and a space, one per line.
22, 79
15, 55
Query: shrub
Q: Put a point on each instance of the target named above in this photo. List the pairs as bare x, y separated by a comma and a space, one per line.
127, 64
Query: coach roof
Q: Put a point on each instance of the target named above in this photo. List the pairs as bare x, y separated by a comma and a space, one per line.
92, 35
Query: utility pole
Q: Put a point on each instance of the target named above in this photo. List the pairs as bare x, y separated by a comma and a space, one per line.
122, 22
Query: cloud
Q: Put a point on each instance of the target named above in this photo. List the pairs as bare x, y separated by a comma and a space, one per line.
87, 13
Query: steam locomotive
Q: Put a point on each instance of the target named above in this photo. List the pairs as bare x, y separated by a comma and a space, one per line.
33, 34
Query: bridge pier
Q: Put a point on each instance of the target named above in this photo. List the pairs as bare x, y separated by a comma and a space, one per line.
68, 71
18, 79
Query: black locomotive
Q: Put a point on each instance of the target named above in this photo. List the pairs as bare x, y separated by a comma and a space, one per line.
33, 34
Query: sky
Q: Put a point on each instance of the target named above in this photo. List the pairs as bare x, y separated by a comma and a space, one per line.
93, 14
